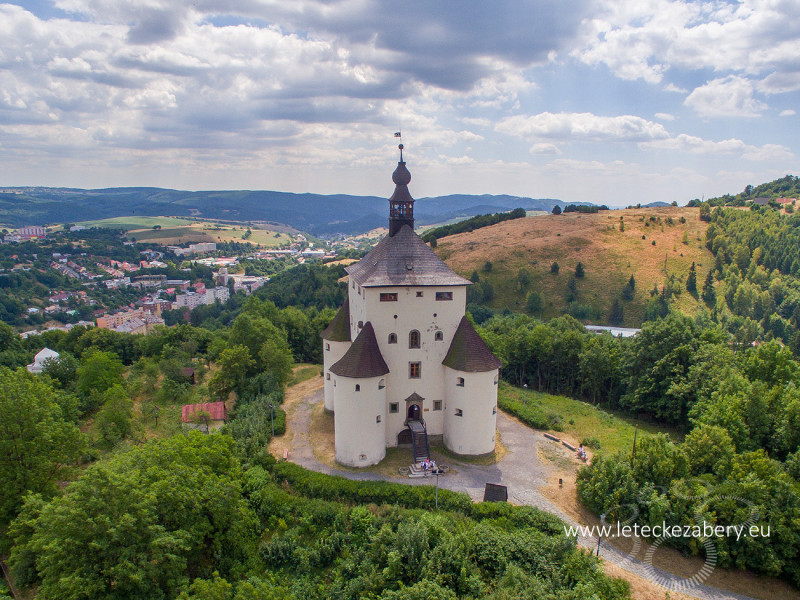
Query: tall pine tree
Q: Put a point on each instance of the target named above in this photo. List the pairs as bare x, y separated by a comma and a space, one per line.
709, 295
691, 280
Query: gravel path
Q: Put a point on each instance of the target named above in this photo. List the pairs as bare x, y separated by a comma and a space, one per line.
520, 470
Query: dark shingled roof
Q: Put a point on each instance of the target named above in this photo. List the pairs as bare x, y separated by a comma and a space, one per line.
338, 330
468, 352
403, 259
363, 358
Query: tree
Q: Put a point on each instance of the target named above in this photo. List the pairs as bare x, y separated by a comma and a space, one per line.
535, 303
98, 372
139, 524
691, 280
115, 418
579, 271
617, 316
475, 277
39, 441
556, 210
487, 266
709, 295
524, 279
234, 364
554, 268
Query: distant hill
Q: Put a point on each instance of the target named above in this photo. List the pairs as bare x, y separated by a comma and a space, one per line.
315, 213
609, 257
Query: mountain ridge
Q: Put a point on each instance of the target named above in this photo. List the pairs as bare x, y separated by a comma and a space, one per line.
320, 214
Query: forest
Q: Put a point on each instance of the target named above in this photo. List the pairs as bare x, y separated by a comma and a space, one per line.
150, 512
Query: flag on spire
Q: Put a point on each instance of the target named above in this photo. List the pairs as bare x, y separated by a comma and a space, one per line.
397, 134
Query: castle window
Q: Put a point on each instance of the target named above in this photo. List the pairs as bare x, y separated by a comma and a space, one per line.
413, 339
414, 370
437, 405
381, 384
394, 407
439, 336
495, 379
328, 376
358, 388
419, 294
327, 346
378, 419
334, 383
392, 338
460, 381
494, 410
459, 412
360, 324
444, 295
389, 297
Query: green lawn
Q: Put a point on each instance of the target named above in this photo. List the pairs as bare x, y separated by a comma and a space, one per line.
579, 419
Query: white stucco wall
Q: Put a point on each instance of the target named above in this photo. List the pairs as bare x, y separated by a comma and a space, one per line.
474, 431
332, 352
426, 315
360, 439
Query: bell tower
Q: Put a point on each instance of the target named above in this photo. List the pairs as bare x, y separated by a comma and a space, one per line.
401, 204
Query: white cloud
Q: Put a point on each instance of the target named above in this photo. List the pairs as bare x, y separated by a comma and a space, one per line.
642, 39
544, 148
581, 126
772, 152
695, 145
665, 116
787, 113
730, 96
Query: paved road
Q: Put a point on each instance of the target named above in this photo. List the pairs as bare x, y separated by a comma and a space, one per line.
520, 470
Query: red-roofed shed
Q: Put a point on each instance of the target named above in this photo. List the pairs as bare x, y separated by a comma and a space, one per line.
205, 417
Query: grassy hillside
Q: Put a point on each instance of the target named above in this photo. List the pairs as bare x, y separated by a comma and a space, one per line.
180, 231
609, 257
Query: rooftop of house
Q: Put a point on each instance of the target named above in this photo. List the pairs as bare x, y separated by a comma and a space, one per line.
216, 411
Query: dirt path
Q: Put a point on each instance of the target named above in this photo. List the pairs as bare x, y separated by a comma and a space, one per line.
530, 470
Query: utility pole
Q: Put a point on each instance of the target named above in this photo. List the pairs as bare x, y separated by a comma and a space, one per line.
633, 451
272, 418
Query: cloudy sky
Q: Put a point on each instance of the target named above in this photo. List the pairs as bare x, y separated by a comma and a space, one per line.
613, 101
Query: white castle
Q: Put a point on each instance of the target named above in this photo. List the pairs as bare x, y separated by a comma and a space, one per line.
402, 362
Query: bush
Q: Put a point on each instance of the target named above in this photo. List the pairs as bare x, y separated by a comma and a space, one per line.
532, 415
339, 489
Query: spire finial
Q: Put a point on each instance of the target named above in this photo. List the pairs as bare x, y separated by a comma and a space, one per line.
401, 152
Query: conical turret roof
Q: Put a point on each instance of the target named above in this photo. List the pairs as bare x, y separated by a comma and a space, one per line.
363, 358
468, 352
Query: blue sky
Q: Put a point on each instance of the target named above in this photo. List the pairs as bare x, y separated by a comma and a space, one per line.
616, 101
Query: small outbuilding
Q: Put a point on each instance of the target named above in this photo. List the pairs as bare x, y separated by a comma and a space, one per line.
207, 416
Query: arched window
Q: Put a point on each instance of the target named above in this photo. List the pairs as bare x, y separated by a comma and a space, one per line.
327, 346
358, 388
381, 384
460, 381
392, 338
413, 339
439, 336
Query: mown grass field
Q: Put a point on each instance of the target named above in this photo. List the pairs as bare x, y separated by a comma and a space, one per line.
580, 420
180, 231
137, 222
209, 232
609, 257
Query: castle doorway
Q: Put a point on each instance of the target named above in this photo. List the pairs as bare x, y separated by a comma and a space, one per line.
414, 412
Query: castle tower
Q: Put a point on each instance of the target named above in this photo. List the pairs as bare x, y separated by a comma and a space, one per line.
415, 364
401, 204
